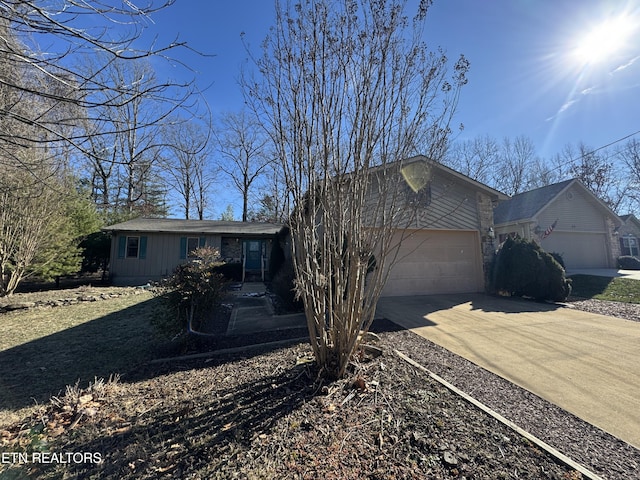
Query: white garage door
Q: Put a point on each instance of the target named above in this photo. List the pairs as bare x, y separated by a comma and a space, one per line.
437, 261
578, 250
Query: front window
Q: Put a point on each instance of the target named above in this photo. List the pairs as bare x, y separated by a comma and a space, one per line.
630, 246
133, 247
192, 245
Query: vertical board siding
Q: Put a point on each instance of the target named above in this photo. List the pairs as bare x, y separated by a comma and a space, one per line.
161, 252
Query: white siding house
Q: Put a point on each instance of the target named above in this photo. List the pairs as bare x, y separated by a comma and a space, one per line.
564, 218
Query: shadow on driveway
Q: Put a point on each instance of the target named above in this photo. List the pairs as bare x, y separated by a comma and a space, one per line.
585, 363
417, 311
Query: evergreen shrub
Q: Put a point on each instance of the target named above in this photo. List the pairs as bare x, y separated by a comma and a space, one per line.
522, 269
628, 262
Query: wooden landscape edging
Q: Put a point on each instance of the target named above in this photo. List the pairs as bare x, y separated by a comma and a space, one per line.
545, 446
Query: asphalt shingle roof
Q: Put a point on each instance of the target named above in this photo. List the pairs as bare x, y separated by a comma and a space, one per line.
172, 225
525, 205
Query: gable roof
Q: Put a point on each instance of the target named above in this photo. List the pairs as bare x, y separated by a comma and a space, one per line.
174, 225
456, 175
629, 217
526, 205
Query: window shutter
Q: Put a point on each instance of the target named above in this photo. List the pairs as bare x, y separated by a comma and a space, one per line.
203, 242
142, 254
122, 246
183, 248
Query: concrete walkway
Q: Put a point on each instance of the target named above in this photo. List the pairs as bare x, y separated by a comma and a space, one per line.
252, 312
606, 272
585, 363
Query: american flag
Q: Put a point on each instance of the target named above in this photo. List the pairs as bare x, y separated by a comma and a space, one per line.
549, 229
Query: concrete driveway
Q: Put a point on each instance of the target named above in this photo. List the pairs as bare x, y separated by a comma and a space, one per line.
606, 272
585, 363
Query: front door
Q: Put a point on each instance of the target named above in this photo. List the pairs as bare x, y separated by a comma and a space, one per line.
253, 254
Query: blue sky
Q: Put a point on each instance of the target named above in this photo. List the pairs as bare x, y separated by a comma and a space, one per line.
525, 77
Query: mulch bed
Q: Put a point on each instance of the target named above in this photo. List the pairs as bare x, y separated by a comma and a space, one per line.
268, 414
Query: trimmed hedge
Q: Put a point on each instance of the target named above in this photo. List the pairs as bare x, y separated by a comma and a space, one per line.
627, 262
522, 269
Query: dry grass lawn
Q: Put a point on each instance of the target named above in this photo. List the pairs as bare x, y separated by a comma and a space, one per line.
44, 349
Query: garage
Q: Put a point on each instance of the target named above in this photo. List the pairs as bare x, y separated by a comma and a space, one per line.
436, 262
578, 249
565, 218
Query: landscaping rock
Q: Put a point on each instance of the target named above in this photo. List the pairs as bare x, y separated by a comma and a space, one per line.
19, 306
450, 459
50, 298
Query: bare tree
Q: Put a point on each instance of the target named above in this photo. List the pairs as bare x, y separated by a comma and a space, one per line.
187, 168
477, 158
272, 203
347, 90
516, 159
244, 158
29, 215
630, 155
45, 41
125, 137
596, 170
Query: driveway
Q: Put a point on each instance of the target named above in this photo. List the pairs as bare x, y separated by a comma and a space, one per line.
587, 364
605, 272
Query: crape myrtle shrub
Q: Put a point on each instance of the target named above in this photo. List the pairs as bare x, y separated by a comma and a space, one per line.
628, 262
191, 293
522, 269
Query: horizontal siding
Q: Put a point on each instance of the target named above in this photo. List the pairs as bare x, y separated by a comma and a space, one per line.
574, 212
451, 206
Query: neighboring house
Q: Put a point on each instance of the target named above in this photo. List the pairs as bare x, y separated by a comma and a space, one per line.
564, 218
451, 243
629, 233
149, 249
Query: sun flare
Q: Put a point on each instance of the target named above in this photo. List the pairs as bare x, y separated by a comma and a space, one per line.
604, 40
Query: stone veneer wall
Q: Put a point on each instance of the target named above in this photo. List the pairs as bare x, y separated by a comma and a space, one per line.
485, 215
613, 241
231, 249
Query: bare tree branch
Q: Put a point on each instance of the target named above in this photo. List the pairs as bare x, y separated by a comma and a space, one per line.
346, 91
